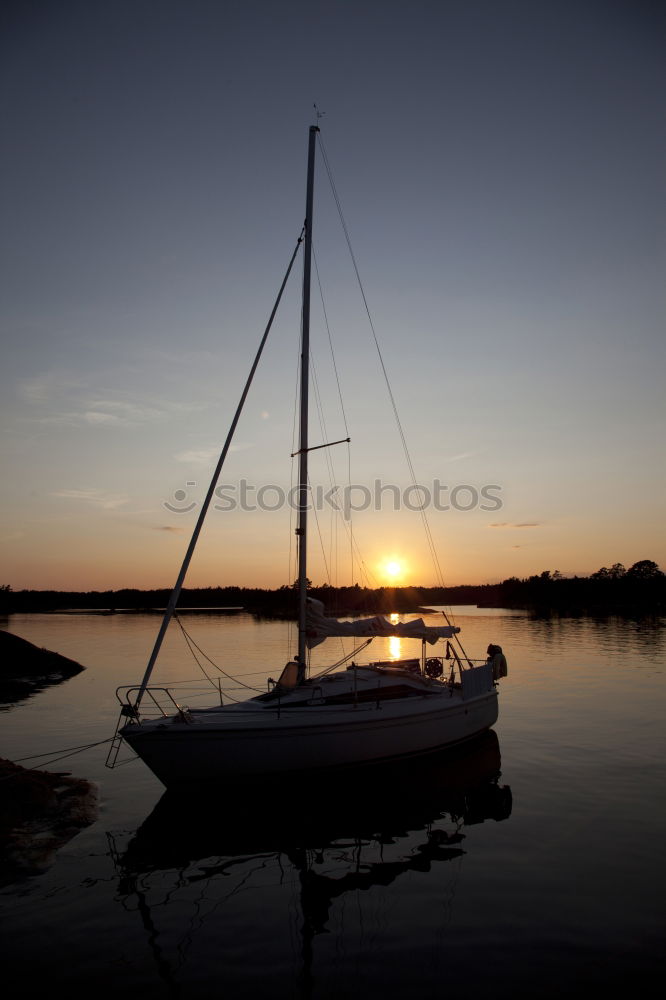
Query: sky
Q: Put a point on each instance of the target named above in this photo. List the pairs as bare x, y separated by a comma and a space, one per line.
501, 167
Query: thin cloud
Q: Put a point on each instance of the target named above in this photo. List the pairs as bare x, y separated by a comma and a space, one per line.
522, 524
99, 498
65, 400
198, 456
144, 510
14, 536
204, 456
461, 456
42, 389
117, 413
59, 420
96, 418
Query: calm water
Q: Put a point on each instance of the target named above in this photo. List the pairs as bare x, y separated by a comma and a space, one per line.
530, 863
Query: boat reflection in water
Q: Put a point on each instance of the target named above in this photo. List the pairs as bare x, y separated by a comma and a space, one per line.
251, 856
376, 802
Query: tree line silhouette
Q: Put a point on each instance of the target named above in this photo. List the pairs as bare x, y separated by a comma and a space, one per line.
639, 589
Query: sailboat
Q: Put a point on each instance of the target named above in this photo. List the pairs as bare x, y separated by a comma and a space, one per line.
361, 715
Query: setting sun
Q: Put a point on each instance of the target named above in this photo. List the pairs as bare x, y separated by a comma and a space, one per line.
392, 570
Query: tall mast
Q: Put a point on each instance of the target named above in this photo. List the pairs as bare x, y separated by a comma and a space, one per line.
301, 530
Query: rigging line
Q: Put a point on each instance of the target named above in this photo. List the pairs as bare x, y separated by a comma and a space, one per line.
190, 682
322, 421
236, 680
321, 543
321, 540
328, 459
330, 341
322, 425
342, 405
363, 567
64, 750
428, 533
128, 761
54, 760
346, 522
344, 658
379, 353
194, 656
369, 575
175, 593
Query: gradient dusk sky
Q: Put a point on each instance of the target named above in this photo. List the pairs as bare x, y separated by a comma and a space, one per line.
502, 169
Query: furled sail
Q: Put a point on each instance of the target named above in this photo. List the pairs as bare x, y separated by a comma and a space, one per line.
319, 627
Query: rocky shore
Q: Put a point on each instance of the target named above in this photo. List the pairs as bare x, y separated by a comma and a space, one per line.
40, 811
26, 669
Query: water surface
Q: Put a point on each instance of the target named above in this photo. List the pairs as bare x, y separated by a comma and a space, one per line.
528, 862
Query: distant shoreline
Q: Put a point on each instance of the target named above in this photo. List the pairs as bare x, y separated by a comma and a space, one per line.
638, 590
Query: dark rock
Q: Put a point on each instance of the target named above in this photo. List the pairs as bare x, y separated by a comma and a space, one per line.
26, 669
40, 811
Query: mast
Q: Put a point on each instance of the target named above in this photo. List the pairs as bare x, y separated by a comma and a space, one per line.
301, 530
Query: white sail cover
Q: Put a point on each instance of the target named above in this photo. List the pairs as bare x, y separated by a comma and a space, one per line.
319, 627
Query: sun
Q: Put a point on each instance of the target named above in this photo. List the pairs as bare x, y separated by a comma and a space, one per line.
393, 570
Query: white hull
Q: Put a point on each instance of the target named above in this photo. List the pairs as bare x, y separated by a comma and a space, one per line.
241, 742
